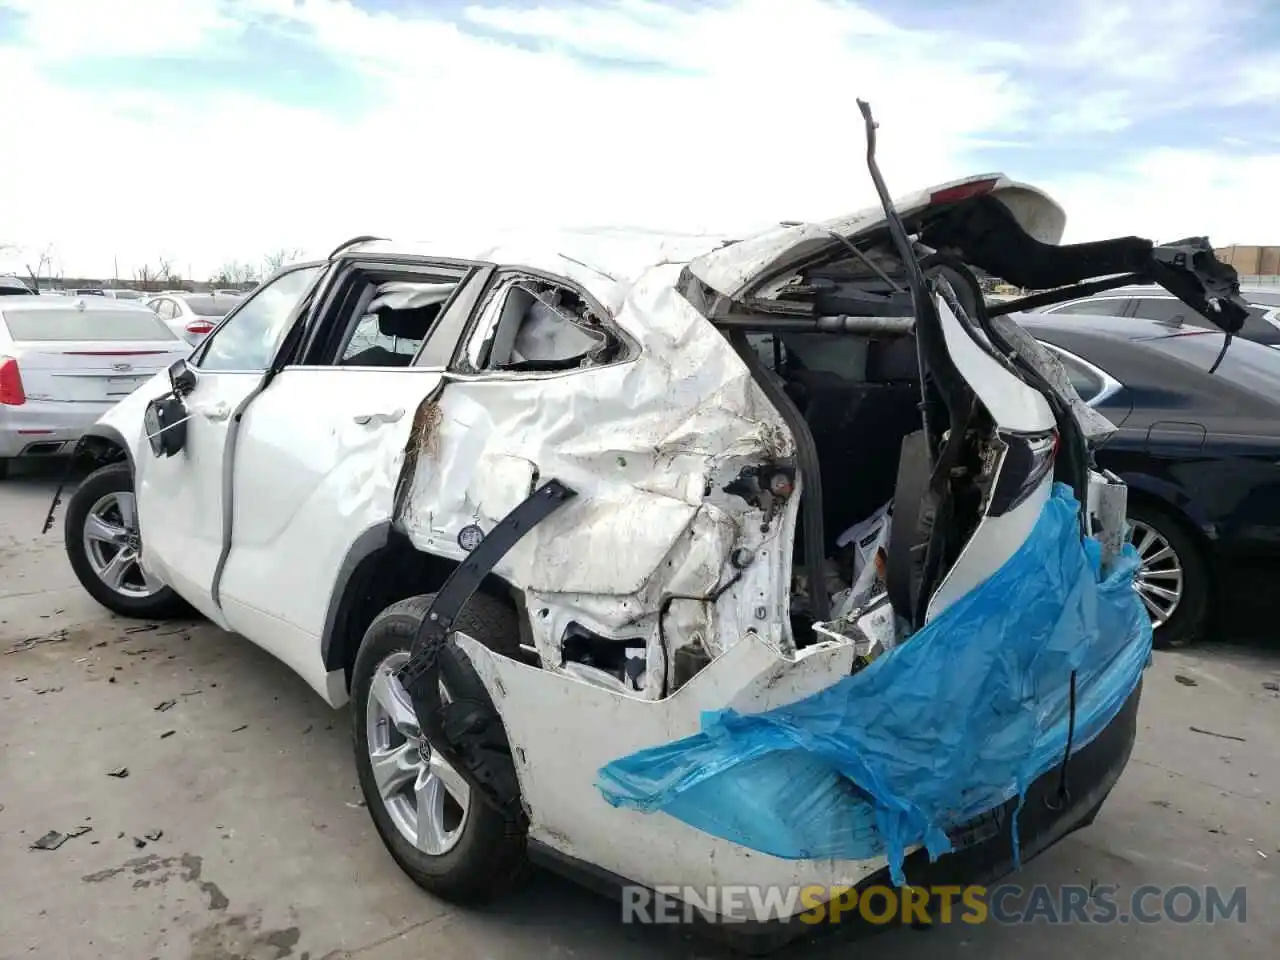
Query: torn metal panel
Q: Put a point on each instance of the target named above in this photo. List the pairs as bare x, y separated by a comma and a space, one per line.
651, 443
557, 785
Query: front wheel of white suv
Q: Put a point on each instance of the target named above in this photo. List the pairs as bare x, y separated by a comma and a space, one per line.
448, 840
105, 547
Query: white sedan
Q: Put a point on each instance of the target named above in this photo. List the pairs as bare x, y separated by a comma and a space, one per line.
192, 315
64, 362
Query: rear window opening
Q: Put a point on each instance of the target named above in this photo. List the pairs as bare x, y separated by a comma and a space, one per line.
859, 397
39, 326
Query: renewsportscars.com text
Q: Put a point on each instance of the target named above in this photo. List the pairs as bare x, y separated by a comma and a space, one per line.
1005, 904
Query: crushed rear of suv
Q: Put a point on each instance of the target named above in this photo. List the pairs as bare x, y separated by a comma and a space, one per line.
779, 561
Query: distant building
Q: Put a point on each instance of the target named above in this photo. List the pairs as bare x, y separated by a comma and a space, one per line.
1251, 261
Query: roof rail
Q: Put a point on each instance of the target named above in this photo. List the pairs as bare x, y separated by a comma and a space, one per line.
363, 238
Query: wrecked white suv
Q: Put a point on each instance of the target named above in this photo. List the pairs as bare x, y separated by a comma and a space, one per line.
535, 508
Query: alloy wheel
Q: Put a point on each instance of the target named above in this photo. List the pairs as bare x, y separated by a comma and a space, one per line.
1159, 581
426, 799
114, 547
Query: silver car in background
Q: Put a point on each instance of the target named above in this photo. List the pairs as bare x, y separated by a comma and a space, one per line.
1156, 303
192, 315
65, 361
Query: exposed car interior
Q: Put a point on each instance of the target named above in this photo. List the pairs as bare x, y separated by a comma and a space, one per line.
393, 318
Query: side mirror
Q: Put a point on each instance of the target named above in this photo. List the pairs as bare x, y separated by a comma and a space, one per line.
182, 379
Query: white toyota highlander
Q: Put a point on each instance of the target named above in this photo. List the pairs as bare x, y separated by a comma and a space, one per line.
535, 506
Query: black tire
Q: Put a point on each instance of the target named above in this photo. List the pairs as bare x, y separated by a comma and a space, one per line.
4, 468
490, 853
1187, 623
114, 478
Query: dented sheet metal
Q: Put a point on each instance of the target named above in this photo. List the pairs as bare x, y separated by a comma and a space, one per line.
649, 442
978, 704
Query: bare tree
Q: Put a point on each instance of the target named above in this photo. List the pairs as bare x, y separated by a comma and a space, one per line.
144, 276
275, 259
233, 273
44, 263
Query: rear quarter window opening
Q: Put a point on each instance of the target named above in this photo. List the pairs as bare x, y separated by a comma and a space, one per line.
538, 325
90, 324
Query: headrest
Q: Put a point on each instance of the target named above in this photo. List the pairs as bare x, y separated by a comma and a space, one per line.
407, 324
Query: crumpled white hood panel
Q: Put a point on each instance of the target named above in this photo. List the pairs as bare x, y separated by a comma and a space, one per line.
648, 444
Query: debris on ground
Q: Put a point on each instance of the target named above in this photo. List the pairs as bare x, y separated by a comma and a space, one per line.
1271, 685
154, 835
138, 653
56, 838
167, 734
119, 773
1186, 681
164, 705
41, 691
142, 628
111, 679
28, 642
139, 842
357, 805
1223, 736
243, 726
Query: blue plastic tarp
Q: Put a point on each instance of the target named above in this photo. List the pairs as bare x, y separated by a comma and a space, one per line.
964, 715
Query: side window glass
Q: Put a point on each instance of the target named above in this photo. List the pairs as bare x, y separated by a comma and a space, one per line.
168, 309
542, 326
392, 320
1102, 307
1087, 383
1167, 311
249, 339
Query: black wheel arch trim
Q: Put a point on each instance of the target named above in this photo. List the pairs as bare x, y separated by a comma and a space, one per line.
365, 546
99, 431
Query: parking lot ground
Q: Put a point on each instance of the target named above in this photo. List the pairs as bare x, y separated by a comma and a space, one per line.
237, 833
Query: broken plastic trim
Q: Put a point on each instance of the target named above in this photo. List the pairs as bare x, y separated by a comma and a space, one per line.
466, 733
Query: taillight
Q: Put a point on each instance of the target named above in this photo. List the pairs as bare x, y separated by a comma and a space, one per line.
1028, 459
199, 327
11, 392
963, 191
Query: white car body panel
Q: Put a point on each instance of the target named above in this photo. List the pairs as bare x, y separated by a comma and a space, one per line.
562, 749
180, 498
308, 481
1014, 406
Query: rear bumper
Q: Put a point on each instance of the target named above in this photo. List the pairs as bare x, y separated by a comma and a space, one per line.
40, 428
983, 848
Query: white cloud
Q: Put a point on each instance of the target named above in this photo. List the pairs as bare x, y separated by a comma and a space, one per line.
751, 119
65, 29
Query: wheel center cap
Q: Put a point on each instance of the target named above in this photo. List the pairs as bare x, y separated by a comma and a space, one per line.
424, 751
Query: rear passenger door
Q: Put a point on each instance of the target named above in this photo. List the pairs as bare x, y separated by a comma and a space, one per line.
319, 451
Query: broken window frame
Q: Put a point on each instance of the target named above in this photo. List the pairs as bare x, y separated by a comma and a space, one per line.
471, 357
331, 323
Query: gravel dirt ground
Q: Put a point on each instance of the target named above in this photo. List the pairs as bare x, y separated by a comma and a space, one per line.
232, 830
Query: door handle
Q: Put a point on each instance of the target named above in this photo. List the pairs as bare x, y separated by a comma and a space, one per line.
372, 419
214, 411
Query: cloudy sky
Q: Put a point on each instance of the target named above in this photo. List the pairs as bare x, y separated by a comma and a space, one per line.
207, 130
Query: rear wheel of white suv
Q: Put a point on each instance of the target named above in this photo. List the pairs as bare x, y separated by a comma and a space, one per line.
446, 839
104, 546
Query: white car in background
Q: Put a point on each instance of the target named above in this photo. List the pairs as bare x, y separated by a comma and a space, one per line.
64, 362
192, 315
